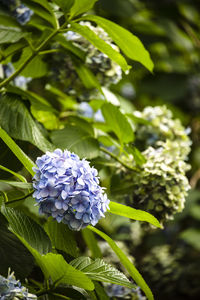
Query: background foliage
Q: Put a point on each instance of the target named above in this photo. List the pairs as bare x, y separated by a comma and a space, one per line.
68, 97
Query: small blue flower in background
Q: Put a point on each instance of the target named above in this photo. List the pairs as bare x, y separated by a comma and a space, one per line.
10, 288
67, 189
19, 81
23, 14
118, 291
86, 110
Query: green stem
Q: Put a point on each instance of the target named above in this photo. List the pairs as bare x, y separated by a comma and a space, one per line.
7, 80
30, 58
19, 199
119, 160
49, 51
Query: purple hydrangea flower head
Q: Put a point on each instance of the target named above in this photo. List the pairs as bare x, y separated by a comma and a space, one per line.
67, 188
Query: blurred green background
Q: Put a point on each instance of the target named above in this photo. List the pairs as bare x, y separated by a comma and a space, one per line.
170, 30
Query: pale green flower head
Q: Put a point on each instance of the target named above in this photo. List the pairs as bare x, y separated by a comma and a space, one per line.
161, 187
161, 126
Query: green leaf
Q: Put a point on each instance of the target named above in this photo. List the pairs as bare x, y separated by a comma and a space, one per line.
117, 122
82, 123
35, 99
21, 185
100, 271
7, 20
100, 44
36, 67
126, 263
45, 4
55, 267
100, 291
62, 237
87, 77
20, 177
138, 156
36, 240
12, 49
91, 243
70, 47
192, 237
128, 43
13, 253
23, 158
65, 5
17, 121
77, 140
10, 34
61, 292
81, 6
138, 120
26, 228
42, 9
132, 213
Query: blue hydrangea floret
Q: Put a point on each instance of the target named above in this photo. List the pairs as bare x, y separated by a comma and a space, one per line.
10, 288
23, 14
67, 188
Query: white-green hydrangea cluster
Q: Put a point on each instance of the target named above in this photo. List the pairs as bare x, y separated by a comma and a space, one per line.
161, 187
104, 69
161, 126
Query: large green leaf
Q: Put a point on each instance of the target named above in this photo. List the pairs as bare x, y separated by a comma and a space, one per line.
128, 43
13, 253
81, 6
77, 140
21, 185
55, 267
125, 262
100, 271
10, 34
37, 242
26, 228
62, 237
65, 5
24, 159
35, 99
132, 213
117, 122
17, 121
100, 44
